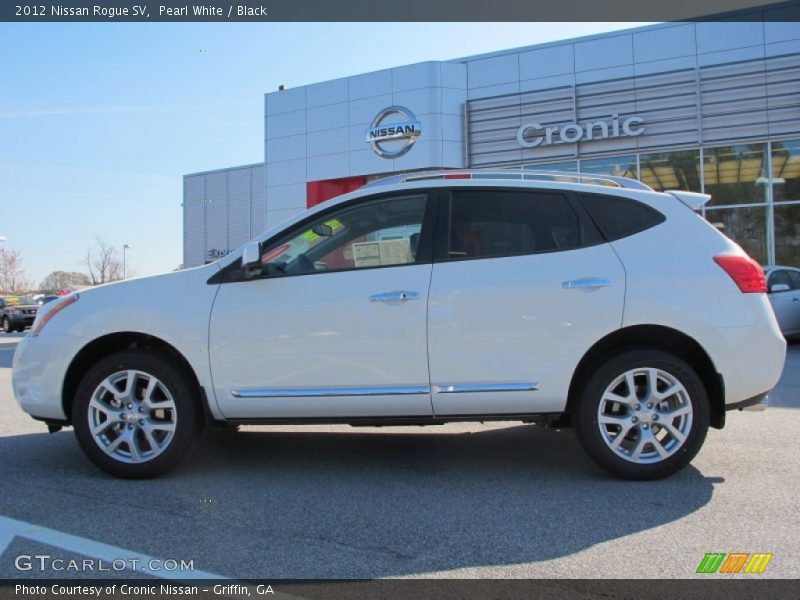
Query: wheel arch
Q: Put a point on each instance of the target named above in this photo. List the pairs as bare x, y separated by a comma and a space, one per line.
661, 338
125, 340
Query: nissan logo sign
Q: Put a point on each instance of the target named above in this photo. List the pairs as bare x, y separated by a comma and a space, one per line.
393, 131
531, 135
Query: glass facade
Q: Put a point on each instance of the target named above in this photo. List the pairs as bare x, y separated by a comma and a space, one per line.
747, 226
754, 187
621, 166
786, 171
736, 174
678, 170
787, 234
569, 165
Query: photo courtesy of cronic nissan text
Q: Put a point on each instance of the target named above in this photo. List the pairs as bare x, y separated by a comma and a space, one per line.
358, 301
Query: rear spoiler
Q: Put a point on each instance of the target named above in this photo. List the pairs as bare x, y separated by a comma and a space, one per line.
693, 200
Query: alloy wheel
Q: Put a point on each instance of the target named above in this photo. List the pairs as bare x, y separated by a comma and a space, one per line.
645, 415
132, 416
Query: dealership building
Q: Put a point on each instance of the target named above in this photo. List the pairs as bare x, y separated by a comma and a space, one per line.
711, 106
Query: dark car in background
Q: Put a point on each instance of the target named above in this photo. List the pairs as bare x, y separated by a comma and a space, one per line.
17, 313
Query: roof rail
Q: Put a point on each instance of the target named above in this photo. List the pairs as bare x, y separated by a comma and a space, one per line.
533, 175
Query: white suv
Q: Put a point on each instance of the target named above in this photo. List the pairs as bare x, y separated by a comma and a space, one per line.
560, 299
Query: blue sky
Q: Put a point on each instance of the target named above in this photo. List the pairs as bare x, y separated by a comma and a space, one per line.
99, 122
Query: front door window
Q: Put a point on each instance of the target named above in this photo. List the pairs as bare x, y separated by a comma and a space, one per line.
378, 234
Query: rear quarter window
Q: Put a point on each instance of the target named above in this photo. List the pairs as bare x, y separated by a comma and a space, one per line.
620, 217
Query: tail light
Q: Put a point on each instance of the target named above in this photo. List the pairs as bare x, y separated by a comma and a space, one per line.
745, 272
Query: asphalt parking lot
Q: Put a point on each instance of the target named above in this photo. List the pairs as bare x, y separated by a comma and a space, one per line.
472, 500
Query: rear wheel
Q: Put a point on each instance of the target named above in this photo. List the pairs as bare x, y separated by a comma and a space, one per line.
643, 414
134, 414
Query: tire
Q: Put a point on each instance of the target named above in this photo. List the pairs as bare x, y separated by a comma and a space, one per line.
135, 438
7, 325
677, 422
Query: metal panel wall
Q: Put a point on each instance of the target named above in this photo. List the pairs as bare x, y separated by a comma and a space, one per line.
221, 211
216, 215
709, 105
239, 192
258, 200
783, 91
194, 220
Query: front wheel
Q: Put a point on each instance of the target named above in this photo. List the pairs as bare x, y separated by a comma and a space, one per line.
7, 325
643, 414
135, 415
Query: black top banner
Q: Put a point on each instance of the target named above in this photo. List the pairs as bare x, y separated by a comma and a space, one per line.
392, 11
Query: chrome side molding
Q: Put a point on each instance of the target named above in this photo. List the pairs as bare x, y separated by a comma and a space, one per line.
396, 390
399, 390
461, 388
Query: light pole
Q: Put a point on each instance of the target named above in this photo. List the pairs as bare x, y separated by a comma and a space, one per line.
125, 249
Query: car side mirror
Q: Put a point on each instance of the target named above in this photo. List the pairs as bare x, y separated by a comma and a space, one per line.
251, 259
778, 287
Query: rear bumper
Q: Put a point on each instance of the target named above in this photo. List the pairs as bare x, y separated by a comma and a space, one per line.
750, 360
755, 404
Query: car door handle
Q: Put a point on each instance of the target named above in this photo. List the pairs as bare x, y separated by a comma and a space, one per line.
586, 282
400, 295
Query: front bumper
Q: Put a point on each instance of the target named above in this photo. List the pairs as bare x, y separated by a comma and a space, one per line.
21, 320
39, 366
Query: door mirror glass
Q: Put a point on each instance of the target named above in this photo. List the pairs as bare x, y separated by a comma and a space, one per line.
778, 287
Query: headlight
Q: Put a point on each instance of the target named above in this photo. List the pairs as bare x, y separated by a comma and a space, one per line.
15, 311
43, 317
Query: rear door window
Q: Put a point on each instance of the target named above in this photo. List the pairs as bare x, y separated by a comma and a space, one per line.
492, 223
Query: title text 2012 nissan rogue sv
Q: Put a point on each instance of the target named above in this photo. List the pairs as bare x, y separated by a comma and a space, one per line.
566, 299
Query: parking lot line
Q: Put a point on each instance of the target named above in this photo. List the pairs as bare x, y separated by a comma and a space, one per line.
11, 528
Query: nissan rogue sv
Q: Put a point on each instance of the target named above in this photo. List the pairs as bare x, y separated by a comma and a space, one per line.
561, 299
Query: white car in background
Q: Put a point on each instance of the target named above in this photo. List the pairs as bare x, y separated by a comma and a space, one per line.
783, 284
561, 299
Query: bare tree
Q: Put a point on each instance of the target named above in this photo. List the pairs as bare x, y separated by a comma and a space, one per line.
13, 279
58, 280
102, 262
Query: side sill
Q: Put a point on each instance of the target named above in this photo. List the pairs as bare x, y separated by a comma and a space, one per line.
420, 420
